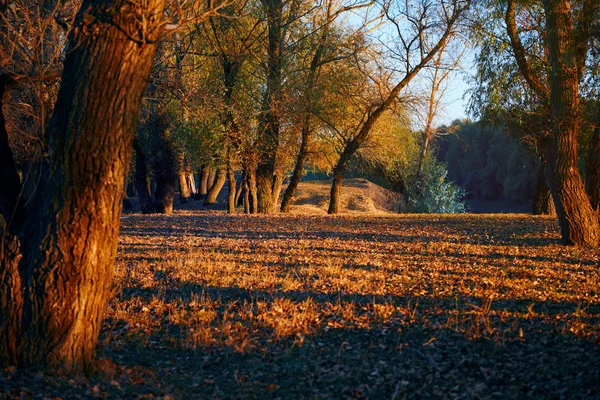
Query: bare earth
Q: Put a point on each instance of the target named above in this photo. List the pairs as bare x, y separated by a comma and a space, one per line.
384, 306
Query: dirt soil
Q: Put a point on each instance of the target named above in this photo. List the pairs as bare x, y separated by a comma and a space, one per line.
211, 306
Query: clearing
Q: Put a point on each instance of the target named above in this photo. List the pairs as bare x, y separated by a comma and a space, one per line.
358, 306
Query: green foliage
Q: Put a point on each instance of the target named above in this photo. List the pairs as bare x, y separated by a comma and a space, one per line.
436, 194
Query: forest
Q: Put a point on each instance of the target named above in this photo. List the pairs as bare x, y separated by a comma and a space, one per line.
273, 199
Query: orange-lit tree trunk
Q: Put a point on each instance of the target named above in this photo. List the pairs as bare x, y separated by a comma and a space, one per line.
578, 222
57, 280
202, 182
215, 189
269, 124
593, 170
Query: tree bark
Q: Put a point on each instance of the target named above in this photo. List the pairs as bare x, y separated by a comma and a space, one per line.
593, 170
542, 198
335, 196
579, 223
269, 125
210, 180
253, 192
70, 233
185, 194
215, 189
202, 182
276, 190
231, 183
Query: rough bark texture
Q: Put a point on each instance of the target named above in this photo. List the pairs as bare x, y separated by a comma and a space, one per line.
232, 191
215, 189
202, 182
210, 180
269, 124
335, 196
276, 191
70, 234
542, 198
578, 222
593, 170
252, 191
185, 193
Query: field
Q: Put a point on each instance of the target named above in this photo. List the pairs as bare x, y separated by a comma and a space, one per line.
379, 306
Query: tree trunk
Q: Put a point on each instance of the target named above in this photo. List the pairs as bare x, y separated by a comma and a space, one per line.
253, 193
340, 170
593, 170
70, 234
276, 190
246, 196
269, 125
335, 197
185, 194
579, 223
240, 189
141, 180
288, 195
215, 189
202, 182
210, 180
232, 189
542, 198
421, 161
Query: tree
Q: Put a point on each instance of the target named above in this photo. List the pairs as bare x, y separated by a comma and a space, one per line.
57, 251
567, 38
419, 39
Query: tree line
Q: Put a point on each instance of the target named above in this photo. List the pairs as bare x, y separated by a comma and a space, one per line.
254, 87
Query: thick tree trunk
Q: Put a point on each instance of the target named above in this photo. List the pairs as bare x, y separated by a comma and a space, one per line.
276, 190
210, 180
253, 192
579, 223
240, 189
246, 196
202, 182
335, 196
72, 224
542, 198
231, 183
215, 189
339, 171
185, 194
593, 170
269, 125
232, 191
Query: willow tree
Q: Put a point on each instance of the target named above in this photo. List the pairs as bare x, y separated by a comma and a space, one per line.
420, 31
58, 247
566, 42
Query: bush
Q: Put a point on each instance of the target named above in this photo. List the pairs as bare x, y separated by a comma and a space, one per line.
436, 194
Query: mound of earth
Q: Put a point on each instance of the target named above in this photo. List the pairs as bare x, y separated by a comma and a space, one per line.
358, 196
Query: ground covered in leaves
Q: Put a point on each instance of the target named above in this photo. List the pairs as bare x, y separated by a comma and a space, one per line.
399, 306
